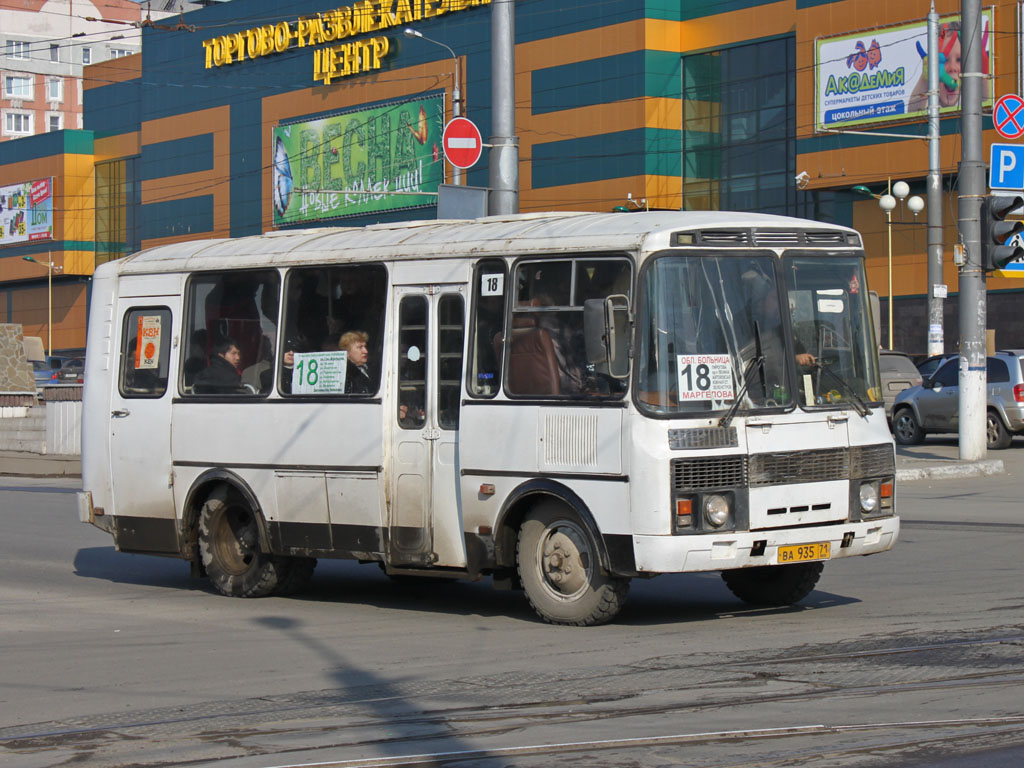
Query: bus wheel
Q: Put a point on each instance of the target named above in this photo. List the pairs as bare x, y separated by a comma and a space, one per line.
561, 572
773, 585
229, 545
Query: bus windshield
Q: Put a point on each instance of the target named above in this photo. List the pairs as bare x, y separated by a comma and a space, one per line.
712, 331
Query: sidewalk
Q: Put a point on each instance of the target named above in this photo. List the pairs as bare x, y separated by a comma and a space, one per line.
936, 458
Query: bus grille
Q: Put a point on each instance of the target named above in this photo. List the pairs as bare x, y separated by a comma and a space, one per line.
872, 461
702, 437
799, 467
714, 472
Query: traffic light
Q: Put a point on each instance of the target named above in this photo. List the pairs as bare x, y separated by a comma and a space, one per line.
996, 251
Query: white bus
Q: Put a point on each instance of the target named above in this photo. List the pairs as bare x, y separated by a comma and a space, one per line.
560, 401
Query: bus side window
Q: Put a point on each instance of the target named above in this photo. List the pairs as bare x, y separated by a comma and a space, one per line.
412, 362
239, 307
489, 291
145, 352
322, 305
449, 348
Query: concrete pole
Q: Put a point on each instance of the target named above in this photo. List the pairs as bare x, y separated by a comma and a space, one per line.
936, 335
503, 158
972, 307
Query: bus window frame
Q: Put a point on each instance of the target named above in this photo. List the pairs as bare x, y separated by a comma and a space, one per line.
122, 351
573, 257
470, 361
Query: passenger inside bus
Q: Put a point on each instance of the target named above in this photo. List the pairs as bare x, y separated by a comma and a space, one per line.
221, 376
357, 377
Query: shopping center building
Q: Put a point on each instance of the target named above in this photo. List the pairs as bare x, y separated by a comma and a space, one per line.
251, 116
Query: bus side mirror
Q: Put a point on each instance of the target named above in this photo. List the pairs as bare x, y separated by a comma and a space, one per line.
606, 325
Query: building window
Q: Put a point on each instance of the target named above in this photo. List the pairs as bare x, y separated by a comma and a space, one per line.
54, 52
118, 198
17, 49
120, 53
739, 128
54, 89
53, 123
87, 55
17, 123
18, 87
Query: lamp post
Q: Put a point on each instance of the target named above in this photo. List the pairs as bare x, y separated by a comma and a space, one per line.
50, 268
456, 93
887, 203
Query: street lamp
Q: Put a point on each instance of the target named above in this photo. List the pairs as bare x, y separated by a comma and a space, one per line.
50, 269
456, 93
887, 203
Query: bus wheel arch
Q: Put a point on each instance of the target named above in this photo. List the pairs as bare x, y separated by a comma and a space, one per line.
227, 525
209, 483
519, 504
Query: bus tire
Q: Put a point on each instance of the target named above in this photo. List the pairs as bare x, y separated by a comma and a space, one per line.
296, 574
773, 585
229, 546
561, 572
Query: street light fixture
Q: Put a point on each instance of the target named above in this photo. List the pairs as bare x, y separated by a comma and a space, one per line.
887, 203
456, 93
50, 269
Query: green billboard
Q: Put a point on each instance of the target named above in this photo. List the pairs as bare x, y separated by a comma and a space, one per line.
366, 161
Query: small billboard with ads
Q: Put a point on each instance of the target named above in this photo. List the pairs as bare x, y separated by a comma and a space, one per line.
367, 161
26, 212
881, 76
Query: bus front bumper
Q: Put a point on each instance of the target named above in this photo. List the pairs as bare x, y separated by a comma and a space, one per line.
743, 549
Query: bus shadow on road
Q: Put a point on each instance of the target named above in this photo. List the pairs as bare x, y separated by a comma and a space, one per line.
107, 564
667, 599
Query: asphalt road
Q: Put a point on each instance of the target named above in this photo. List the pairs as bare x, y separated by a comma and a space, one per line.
913, 657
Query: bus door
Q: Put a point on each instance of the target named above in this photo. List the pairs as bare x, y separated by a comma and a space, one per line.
424, 515
140, 414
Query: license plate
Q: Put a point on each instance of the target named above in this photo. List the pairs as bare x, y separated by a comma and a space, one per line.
802, 553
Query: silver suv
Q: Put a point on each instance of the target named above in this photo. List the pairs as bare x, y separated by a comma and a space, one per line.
934, 406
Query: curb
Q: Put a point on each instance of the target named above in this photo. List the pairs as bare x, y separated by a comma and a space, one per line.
941, 472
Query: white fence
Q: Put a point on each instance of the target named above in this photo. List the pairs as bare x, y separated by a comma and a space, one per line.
64, 428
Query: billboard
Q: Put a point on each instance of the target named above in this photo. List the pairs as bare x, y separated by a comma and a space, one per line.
882, 75
26, 212
355, 163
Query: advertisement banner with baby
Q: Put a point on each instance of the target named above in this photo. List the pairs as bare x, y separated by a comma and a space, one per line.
881, 76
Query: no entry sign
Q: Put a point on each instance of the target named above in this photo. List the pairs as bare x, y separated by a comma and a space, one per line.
462, 142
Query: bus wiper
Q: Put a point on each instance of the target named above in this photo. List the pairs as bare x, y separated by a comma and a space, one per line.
858, 405
757, 360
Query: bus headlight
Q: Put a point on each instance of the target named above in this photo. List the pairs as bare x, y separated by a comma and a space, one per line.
869, 498
716, 510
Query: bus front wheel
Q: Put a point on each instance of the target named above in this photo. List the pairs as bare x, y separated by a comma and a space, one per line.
773, 585
561, 572
229, 545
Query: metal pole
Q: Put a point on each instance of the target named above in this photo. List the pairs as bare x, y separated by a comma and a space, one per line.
936, 335
49, 304
972, 378
504, 155
888, 220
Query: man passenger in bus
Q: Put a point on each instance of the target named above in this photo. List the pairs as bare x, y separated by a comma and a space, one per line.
221, 377
357, 376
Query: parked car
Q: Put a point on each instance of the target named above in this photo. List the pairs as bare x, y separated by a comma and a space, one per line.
898, 373
71, 372
934, 406
46, 371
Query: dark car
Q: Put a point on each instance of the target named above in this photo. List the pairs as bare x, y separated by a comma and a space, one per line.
71, 372
898, 373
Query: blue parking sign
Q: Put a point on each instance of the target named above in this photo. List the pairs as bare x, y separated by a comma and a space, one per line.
1006, 166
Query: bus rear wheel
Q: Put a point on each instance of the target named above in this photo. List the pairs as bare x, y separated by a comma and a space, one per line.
229, 545
773, 585
561, 572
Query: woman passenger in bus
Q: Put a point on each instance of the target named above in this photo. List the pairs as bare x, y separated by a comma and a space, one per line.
357, 376
221, 377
